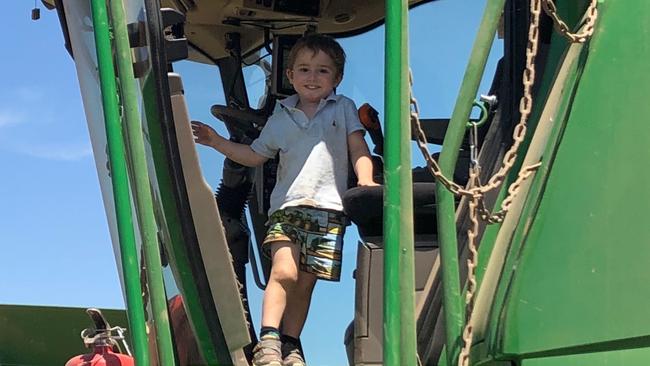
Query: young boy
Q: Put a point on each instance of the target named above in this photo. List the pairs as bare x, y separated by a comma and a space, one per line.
314, 131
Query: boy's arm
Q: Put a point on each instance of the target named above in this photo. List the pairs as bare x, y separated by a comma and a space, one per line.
360, 157
240, 153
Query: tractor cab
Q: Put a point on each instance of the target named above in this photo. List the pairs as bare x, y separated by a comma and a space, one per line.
207, 234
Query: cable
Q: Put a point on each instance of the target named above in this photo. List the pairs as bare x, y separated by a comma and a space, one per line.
256, 61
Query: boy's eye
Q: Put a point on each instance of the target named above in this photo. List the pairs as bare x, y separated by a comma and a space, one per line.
303, 69
324, 71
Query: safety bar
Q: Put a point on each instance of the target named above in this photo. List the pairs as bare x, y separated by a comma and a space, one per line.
454, 311
140, 180
120, 183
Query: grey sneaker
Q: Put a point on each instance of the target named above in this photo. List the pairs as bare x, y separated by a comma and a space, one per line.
294, 358
268, 352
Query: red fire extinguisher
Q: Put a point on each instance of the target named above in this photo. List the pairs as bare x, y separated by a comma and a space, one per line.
103, 342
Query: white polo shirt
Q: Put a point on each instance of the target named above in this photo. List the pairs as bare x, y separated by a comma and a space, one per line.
313, 169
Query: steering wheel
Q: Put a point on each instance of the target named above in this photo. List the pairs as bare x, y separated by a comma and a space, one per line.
248, 120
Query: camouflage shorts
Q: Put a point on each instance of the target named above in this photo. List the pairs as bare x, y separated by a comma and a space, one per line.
319, 234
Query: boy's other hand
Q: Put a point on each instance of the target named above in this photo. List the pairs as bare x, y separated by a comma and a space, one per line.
203, 134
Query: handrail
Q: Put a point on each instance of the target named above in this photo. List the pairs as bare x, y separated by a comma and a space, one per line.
257, 277
140, 180
399, 275
452, 303
120, 183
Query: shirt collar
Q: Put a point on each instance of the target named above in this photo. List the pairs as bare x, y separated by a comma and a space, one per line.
291, 102
289, 105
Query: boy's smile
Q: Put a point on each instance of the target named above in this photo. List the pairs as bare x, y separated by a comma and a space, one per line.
313, 76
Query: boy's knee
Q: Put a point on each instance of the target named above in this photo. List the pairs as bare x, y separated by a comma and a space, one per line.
287, 276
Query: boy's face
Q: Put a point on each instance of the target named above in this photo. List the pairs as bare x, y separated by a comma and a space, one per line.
313, 76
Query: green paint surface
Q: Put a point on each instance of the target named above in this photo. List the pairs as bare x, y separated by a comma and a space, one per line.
614, 358
46, 335
582, 275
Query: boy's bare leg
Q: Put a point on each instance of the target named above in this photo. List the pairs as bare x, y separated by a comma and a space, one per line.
282, 282
297, 305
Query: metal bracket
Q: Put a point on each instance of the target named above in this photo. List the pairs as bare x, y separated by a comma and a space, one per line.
174, 30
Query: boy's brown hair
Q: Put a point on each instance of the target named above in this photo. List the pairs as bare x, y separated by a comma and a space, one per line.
319, 42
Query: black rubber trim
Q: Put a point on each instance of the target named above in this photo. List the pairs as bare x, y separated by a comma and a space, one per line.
64, 26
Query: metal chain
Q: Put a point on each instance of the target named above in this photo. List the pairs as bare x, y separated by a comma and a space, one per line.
588, 28
421, 140
525, 104
525, 107
497, 217
432, 164
472, 263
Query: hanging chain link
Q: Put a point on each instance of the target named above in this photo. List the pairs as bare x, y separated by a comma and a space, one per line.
563, 28
477, 203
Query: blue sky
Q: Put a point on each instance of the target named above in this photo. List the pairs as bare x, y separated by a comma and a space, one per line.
54, 240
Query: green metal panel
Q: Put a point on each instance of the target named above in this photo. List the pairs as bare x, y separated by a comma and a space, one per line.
627, 357
564, 84
46, 335
557, 83
582, 274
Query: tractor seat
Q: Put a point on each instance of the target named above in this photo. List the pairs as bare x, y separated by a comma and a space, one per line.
365, 206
